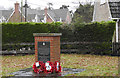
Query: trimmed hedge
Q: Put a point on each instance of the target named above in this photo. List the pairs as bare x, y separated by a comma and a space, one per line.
23, 32
81, 32
94, 32
99, 32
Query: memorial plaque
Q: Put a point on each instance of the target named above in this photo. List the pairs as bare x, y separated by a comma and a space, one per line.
44, 51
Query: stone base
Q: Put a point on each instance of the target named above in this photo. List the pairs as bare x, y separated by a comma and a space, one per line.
30, 72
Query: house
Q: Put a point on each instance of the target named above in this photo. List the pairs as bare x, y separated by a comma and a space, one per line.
33, 15
16, 15
108, 10
4, 15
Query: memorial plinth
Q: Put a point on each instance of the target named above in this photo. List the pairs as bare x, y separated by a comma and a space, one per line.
47, 47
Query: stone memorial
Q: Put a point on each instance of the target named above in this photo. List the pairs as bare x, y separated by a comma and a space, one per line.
47, 51
47, 47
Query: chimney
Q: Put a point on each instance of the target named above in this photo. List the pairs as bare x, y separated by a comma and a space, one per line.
45, 14
45, 10
16, 7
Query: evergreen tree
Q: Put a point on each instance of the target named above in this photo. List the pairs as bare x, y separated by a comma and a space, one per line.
83, 14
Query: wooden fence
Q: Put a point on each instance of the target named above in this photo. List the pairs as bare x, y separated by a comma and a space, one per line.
116, 48
66, 47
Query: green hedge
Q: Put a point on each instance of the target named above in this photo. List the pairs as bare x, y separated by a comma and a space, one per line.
95, 32
99, 32
23, 32
81, 32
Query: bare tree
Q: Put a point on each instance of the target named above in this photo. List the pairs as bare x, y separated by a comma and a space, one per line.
64, 7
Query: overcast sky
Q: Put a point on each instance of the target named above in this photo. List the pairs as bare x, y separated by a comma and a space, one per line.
43, 3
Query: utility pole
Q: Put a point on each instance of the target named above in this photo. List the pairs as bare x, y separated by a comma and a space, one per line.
21, 9
26, 6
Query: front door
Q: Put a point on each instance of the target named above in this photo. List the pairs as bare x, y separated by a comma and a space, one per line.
44, 51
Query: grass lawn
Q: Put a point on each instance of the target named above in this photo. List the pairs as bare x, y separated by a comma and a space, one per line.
94, 65
14, 63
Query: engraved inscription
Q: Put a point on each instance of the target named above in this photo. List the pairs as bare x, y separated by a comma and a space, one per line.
44, 51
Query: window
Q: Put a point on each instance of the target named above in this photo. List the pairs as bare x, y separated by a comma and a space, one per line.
3, 19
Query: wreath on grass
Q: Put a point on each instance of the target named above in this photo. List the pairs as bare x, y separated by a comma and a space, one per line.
57, 67
38, 67
47, 67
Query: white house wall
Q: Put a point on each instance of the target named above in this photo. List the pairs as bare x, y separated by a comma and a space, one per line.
101, 11
0, 20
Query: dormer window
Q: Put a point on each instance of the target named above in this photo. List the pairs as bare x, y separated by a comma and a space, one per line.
102, 2
33, 20
60, 20
3, 19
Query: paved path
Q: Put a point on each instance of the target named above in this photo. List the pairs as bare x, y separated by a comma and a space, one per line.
29, 72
